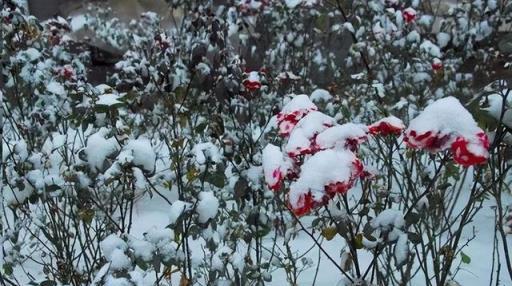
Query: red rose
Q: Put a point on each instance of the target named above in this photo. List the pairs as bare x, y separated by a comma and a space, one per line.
409, 15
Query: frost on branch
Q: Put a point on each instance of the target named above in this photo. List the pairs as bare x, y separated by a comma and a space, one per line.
447, 124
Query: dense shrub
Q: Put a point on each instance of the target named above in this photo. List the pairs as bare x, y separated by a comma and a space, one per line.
234, 146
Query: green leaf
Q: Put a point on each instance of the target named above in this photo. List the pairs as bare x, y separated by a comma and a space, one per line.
414, 237
156, 263
263, 231
192, 173
53, 188
141, 264
86, 215
465, 258
412, 218
241, 188
358, 241
48, 283
329, 232
505, 44
217, 178
7, 269
316, 222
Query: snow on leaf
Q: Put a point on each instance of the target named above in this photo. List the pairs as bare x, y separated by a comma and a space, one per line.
56, 88
109, 99
140, 153
320, 95
496, 109
177, 209
206, 150
431, 49
207, 207
98, 148
401, 249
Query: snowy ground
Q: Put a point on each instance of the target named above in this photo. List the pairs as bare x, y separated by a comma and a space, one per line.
155, 213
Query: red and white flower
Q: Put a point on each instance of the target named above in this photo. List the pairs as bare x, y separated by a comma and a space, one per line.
446, 124
471, 151
253, 81
302, 137
67, 72
345, 136
409, 15
387, 126
292, 112
273, 166
322, 176
437, 64
432, 141
306, 202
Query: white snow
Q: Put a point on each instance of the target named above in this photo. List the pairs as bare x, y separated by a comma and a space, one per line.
390, 221
497, 109
207, 207
205, 150
113, 281
272, 160
56, 88
254, 76
176, 210
430, 48
109, 99
337, 136
300, 103
141, 248
413, 36
401, 249
320, 95
29, 54
140, 153
112, 243
98, 148
119, 260
443, 39
78, 22
293, 3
